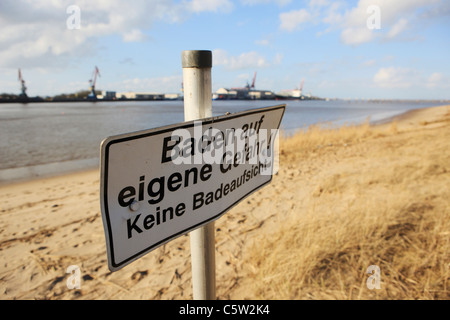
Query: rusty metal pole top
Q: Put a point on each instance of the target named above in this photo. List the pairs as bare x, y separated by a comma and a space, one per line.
196, 59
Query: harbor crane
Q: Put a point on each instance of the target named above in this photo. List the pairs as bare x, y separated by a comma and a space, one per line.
248, 87
253, 82
301, 87
23, 87
252, 86
92, 82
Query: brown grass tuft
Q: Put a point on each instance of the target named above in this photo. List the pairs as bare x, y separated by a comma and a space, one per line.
384, 203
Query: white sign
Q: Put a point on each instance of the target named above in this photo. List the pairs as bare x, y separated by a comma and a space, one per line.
162, 183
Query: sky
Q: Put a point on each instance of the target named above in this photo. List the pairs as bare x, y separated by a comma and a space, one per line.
366, 49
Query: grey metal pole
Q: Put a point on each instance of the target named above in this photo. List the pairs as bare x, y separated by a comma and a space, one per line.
197, 66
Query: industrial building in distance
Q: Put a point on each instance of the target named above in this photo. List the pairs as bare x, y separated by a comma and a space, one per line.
250, 93
130, 95
242, 93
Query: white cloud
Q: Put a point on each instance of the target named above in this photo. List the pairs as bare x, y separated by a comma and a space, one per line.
355, 36
266, 40
263, 42
436, 79
404, 78
245, 60
291, 20
168, 84
278, 58
393, 77
210, 5
256, 2
397, 28
332, 14
319, 3
35, 33
396, 18
369, 63
134, 35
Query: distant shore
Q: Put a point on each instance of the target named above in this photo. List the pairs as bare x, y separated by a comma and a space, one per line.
41, 100
50, 100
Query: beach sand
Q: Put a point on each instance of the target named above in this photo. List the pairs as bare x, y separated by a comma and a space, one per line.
50, 224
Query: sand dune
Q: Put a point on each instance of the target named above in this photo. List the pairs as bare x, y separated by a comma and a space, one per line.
48, 225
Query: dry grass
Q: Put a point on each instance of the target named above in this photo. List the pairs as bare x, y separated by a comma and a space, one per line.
375, 197
322, 135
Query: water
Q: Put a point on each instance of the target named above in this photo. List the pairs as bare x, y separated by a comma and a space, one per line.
39, 139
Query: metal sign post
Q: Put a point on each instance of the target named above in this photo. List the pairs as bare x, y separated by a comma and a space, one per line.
197, 66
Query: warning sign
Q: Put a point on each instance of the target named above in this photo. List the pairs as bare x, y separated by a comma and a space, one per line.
162, 183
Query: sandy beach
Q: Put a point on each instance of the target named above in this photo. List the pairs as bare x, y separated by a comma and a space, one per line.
343, 200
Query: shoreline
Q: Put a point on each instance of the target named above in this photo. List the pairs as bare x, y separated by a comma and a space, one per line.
48, 170
38, 99
44, 171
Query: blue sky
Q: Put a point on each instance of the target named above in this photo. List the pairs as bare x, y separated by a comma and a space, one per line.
137, 45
